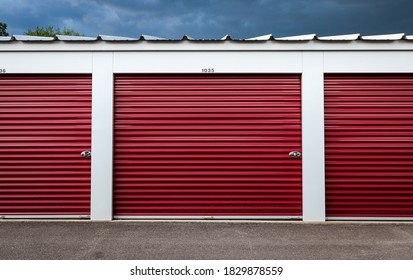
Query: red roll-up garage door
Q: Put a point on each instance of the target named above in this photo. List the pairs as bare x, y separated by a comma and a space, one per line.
369, 145
45, 122
207, 145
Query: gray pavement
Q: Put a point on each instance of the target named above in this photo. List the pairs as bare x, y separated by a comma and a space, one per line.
204, 240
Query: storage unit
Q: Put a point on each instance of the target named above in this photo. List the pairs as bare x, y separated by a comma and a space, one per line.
207, 129
369, 145
45, 123
215, 145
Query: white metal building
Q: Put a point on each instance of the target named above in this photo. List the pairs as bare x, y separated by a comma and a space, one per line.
190, 128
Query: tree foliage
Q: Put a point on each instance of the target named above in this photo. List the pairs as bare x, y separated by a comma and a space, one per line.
3, 29
51, 31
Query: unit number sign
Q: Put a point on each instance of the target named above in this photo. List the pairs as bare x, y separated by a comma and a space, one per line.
207, 70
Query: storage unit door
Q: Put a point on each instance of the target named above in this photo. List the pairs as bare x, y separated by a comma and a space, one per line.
369, 146
45, 123
207, 145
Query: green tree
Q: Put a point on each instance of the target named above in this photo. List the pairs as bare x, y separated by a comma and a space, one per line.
51, 31
3, 29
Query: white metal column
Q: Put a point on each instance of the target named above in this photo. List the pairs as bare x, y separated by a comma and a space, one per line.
102, 136
313, 137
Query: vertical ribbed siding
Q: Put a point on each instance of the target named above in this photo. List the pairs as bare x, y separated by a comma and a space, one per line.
369, 145
209, 145
45, 122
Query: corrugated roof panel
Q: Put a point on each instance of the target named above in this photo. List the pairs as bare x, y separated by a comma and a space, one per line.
387, 37
5, 38
307, 37
260, 38
152, 38
75, 38
33, 38
117, 38
347, 37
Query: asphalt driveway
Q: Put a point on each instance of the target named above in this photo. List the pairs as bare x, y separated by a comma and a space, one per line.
204, 240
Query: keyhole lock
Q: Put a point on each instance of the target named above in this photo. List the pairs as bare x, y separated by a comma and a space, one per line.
295, 154
86, 154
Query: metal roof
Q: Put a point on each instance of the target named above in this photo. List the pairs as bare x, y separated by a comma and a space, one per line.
268, 37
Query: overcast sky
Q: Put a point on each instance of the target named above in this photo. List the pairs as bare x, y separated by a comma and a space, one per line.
211, 18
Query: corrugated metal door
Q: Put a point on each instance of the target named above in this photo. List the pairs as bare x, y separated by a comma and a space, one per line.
45, 122
207, 145
369, 145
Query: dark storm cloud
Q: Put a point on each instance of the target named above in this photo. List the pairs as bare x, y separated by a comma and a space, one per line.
212, 18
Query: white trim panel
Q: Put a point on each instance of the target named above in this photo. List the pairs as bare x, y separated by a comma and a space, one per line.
102, 137
312, 114
51, 62
220, 62
208, 217
368, 62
